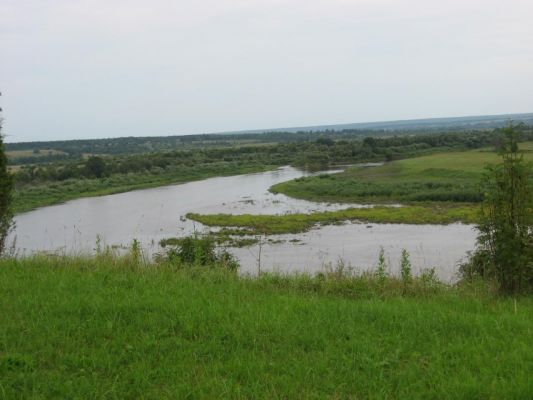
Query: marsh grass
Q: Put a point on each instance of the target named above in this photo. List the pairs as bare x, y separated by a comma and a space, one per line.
247, 224
107, 327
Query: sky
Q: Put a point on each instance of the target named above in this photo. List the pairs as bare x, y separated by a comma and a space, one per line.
73, 69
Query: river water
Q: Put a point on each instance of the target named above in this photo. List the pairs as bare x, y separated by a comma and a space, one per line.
154, 214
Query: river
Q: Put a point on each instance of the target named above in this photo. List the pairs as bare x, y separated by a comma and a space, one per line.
154, 214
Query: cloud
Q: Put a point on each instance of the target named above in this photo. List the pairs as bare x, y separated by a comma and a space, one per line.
109, 68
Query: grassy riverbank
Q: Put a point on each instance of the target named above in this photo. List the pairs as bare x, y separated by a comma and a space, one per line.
102, 328
452, 176
296, 223
27, 198
441, 188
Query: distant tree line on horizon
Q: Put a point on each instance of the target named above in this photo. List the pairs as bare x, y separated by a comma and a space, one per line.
77, 149
319, 152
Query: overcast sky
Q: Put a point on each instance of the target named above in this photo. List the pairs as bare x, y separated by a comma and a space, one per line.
102, 68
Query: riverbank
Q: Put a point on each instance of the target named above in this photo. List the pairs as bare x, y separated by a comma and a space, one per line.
441, 177
441, 188
28, 198
109, 327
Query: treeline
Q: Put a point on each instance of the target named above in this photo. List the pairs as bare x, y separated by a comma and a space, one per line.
135, 145
77, 149
322, 152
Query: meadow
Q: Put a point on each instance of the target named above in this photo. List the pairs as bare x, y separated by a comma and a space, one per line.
108, 327
439, 177
15, 154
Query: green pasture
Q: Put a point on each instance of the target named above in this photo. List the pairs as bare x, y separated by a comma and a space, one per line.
106, 329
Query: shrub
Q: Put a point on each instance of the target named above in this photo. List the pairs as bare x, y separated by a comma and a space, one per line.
381, 271
405, 268
505, 243
199, 250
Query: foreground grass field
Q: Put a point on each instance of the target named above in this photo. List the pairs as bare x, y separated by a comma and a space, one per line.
452, 176
101, 328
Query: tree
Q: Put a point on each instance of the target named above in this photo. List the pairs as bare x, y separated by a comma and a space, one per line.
505, 242
96, 166
6, 193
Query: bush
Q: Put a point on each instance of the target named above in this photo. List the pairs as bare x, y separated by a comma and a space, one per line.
505, 241
405, 268
199, 250
381, 271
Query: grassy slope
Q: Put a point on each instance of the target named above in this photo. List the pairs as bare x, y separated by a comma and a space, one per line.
29, 198
81, 330
442, 176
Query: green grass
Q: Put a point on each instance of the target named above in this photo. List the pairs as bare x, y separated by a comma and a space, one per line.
90, 329
14, 154
452, 176
295, 223
27, 198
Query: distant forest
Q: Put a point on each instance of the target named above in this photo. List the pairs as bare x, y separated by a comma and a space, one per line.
107, 157
51, 151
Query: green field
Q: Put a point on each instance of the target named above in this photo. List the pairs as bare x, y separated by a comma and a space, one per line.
440, 177
13, 154
102, 328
